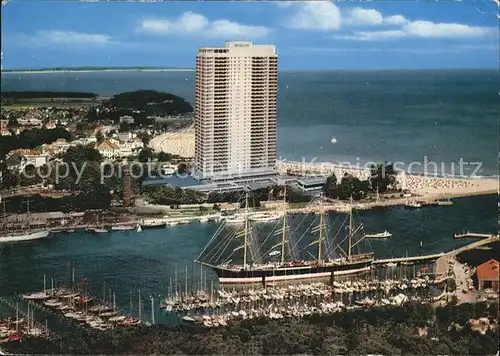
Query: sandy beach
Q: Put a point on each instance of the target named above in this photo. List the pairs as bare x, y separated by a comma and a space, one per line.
177, 143
425, 186
182, 143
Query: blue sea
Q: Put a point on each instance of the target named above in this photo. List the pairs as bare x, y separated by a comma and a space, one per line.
441, 116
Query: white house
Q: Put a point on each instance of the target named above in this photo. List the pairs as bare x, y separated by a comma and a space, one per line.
23, 157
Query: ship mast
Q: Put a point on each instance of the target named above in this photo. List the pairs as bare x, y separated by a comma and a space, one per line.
350, 231
320, 241
246, 233
283, 236
28, 213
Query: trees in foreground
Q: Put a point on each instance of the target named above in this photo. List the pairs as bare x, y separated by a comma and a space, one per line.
389, 331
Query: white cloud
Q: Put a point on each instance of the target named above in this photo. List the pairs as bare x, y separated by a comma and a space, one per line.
326, 16
190, 23
445, 30
72, 38
374, 35
423, 29
314, 15
395, 20
361, 17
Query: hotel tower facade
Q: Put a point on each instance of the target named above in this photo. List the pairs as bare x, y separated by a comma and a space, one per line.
235, 113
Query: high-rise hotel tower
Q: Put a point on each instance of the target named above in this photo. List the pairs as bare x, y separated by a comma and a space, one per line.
236, 93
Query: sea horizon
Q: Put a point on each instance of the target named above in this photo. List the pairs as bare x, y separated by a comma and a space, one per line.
173, 69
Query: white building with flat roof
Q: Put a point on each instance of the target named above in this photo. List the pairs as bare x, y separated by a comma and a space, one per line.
235, 113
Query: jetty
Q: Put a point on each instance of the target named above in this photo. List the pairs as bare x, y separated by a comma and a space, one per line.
475, 235
422, 258
474, 245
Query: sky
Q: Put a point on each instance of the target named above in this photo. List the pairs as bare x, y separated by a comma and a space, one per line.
308, 35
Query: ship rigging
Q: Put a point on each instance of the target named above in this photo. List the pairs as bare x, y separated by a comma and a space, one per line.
252, 260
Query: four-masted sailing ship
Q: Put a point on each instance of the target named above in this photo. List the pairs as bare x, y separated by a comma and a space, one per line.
282, 260
25, 233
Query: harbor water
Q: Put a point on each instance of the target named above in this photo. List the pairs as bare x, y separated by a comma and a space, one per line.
125, 262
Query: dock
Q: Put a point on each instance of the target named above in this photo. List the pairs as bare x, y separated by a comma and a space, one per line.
474, 235
474, 245
422, 258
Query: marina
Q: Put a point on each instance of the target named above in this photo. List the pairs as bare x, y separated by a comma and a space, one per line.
103, 263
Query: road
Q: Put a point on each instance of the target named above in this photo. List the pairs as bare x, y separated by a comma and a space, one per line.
463, 293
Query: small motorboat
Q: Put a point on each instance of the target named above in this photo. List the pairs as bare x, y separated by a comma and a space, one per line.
413, 205
333, 140
188, 319
99, 230
381, 235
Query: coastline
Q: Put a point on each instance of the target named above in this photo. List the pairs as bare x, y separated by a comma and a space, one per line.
98, 70
426, 187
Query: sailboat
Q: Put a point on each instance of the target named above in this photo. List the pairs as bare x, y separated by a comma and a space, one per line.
26, 234
330, 257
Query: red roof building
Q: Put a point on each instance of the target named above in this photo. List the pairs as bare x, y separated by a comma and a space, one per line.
488, 275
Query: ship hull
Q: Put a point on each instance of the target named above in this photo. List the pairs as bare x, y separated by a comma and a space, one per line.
227, 276
24, 237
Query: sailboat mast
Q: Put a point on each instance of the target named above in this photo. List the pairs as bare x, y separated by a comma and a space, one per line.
350, 232
320, 242
246, 232
283, 236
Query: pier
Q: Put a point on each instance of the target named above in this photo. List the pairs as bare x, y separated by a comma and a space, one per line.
474, 245
422, 258
475, 235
